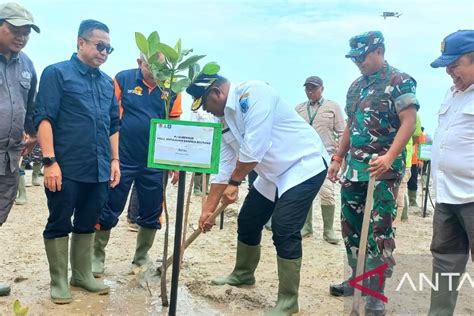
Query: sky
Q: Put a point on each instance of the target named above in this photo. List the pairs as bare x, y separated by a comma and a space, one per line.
280, 42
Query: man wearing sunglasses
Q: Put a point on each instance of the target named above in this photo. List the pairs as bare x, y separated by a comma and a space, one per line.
262, 133
140, 100
381, 108
17, 93
78, 121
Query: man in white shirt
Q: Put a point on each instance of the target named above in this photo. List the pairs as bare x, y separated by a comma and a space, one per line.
262, 133
452, 162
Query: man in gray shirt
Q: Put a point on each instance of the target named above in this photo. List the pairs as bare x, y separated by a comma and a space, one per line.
17, 93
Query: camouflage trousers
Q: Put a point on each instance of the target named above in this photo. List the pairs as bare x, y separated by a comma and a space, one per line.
34, 157
381, 242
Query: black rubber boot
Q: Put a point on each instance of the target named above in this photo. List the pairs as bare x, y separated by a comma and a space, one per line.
344, 288
374, 306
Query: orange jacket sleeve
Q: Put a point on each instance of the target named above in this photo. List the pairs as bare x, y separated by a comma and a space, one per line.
176, 110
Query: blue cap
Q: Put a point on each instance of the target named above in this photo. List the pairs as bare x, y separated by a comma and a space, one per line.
199, 87
454, 46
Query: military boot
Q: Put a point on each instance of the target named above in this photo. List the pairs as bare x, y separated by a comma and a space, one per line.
145, 239
307, 229
36, 174
81, 264
327, 212
443, 301
246, 262
374, 306
412, 198
21, 199
57, 253
101, 239
4, 289
288, 286
344, 288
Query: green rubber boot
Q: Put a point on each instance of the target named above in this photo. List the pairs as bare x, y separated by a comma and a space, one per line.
443, 301
412, 198
81, 264
4, 289
101, 240
145, 239
36, 174
21, 199
404, 216
307, 229
57, 253
197, 182
327, 212
288, 286
246, 262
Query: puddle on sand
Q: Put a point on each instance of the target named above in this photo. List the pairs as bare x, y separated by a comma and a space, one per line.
131, 299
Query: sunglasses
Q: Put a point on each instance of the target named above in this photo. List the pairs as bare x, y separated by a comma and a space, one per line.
358, 59
101, 46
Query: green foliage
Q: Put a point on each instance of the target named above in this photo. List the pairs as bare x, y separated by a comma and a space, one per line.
211, 68
167, 65
18, 310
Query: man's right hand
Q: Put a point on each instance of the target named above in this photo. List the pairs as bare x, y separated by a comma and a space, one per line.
53, 177
204, 224
333, 171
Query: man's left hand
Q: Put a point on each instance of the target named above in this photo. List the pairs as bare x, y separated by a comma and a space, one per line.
30, 143
231, 195
174, 175
380, 165
114, 173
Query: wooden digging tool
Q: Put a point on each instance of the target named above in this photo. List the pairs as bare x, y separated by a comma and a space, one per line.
186, 216
369, 203
191, 238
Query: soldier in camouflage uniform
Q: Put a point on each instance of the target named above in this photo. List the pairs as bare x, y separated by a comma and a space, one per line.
381, 107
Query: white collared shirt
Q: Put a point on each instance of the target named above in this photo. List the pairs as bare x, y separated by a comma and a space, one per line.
452, 153
260, 127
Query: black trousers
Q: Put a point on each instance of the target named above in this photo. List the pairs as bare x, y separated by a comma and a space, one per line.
288, 213
413, 181
82, 200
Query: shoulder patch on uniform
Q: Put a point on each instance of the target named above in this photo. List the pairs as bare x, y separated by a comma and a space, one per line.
244, 102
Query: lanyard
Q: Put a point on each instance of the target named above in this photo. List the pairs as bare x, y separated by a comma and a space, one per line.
308, 108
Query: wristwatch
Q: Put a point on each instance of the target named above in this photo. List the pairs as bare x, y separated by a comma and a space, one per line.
48, 161
234, 182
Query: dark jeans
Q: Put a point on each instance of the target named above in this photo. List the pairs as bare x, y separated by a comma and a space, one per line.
149, 186
83, 200
288, 213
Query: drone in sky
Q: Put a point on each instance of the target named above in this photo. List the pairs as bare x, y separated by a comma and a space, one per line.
390, 15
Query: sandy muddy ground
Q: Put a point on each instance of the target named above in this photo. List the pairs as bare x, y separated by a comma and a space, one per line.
23, 264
